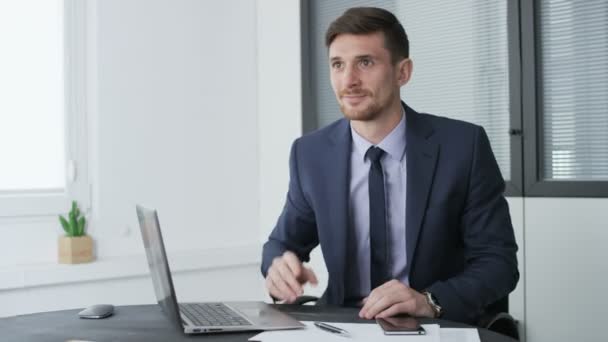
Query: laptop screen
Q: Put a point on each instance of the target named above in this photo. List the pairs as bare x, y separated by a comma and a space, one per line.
157, 261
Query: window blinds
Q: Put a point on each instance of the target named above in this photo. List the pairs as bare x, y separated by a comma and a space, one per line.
574, 64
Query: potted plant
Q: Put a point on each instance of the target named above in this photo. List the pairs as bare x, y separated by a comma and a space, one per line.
75, 247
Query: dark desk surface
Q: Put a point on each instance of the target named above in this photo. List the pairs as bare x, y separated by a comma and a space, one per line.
147, 323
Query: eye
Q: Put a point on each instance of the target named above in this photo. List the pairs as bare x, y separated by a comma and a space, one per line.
366, 62
337, 65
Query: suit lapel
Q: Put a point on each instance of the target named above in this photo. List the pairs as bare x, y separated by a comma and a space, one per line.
338, 176
421, 157
421, 163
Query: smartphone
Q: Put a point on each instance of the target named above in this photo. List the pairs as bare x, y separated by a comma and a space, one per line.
400, 326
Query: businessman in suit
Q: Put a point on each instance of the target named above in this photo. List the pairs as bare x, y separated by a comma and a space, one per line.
408, 208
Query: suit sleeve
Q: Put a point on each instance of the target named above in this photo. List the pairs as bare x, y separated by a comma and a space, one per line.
490, 271
296, 228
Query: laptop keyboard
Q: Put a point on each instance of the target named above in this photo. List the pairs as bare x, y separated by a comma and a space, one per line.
212, 314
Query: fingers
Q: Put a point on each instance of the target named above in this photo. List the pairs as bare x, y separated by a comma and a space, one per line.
294, 264
374, 308
310, 276
377, 294
276, 282
301, 273
384, 289
272, 289
392, 297
405, 307
286, 276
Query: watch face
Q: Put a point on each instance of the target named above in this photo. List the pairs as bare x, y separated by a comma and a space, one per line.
435, 301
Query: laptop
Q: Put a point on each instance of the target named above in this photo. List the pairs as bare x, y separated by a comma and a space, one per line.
202, 318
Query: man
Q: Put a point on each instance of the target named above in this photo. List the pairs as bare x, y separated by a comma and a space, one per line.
408, 208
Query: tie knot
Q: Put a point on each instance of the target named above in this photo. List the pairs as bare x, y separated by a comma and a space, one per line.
374, 154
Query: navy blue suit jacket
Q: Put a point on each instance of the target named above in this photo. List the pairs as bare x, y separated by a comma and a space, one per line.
460, 242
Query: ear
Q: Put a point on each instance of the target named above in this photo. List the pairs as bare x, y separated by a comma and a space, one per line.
404, 70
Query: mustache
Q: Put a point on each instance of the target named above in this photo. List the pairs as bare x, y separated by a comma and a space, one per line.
355, 92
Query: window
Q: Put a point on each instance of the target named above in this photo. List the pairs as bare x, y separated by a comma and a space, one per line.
461, 61
568, 155
574, 50
42, 121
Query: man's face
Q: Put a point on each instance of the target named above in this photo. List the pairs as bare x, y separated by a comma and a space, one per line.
363, 76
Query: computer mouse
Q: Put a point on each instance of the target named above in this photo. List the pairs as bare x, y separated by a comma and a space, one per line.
97, 311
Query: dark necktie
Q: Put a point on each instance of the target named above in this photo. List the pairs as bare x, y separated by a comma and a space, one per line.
377, 220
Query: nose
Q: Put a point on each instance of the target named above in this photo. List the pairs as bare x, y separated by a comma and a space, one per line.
351, 77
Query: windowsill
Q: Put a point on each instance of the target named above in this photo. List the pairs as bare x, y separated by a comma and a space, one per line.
33, 275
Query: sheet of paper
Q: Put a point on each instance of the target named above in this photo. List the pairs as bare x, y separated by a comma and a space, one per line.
459, 335
358, 332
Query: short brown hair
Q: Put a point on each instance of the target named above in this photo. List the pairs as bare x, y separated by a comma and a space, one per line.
366, 20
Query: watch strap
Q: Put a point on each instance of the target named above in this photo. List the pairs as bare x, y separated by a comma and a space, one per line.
433, 303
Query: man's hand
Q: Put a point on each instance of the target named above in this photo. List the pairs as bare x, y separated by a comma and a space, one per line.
286, 276
392, 298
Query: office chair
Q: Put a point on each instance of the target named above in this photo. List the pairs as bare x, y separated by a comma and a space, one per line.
495, 317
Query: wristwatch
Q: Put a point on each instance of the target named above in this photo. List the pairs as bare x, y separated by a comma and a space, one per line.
434, 304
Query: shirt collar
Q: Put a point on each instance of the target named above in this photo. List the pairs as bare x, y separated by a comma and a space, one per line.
393, 144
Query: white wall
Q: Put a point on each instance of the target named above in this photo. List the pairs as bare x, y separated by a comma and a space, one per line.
126, 281
566, 269
280, 105
279, 102
173, 118
177, 122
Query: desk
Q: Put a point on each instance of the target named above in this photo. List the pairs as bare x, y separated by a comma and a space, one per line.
146, 323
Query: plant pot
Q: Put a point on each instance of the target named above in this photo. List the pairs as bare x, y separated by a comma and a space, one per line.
75, 250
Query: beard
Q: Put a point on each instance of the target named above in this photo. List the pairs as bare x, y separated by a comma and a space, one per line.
369, 112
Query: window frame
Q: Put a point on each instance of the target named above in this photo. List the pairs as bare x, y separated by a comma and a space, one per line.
42, 202
532, 89
515, 186
309, 116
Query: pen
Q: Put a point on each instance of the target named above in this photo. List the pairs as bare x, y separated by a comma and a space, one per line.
331, 329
